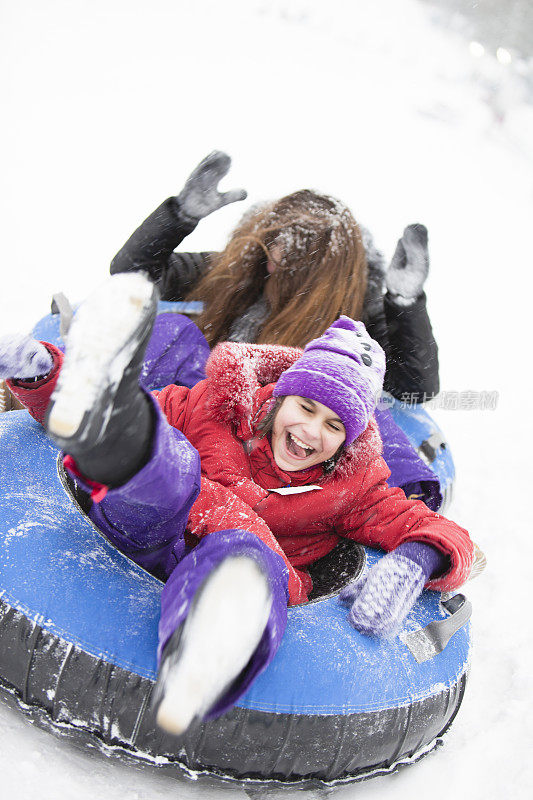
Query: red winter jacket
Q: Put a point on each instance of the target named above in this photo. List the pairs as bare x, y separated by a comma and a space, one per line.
219, 416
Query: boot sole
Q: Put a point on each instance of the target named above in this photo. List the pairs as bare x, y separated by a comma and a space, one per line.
101, 343
223, 628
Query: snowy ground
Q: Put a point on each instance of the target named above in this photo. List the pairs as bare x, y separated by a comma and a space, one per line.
106, 108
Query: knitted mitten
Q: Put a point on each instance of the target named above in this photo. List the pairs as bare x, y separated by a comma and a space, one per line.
381, 599
200, 196
409, 267
23, 358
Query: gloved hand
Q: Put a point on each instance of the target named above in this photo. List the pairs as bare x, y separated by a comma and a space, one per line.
23, 357
200, 196
409, 267
381, 599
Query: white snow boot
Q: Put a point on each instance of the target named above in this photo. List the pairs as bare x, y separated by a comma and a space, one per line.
98, 413
103, 339
224, 626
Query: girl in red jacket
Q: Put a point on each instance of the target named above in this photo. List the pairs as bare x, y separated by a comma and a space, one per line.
229, 490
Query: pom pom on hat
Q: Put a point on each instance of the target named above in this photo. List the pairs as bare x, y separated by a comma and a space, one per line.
343, 369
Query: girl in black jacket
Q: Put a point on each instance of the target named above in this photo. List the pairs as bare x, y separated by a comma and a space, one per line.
290, 269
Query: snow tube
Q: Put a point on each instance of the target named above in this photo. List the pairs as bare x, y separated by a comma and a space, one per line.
78, 636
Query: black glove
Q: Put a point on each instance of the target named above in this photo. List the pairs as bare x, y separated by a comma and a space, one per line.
409, 267
200, 196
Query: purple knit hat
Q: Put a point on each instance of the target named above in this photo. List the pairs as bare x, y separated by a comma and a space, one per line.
344, 370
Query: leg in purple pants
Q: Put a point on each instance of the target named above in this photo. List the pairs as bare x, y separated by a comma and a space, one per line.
146, 518
189, 575
176, 353
408, 471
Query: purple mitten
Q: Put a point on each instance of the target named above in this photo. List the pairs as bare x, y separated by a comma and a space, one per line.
381, 599
23, 357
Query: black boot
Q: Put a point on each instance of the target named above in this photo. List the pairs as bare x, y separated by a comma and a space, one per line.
98, 413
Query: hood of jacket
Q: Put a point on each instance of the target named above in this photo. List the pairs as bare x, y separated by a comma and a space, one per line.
241, 379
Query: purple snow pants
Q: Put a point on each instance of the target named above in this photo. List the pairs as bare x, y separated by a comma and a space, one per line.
176, 353
146, 518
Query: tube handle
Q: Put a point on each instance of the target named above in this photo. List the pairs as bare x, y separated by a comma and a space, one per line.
427, 642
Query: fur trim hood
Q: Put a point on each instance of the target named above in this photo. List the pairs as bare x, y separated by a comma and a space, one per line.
238, 372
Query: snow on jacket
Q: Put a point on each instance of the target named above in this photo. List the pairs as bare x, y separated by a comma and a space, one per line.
404, 332
220, 417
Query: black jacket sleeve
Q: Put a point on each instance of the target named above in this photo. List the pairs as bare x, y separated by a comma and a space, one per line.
150, 248
376, 322
412, 354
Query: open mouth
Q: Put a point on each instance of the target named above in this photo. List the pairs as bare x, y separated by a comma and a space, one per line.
296, 447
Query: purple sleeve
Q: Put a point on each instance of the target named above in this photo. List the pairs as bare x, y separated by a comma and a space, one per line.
432, 562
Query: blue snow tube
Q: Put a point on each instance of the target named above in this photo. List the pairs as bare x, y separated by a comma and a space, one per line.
78, 637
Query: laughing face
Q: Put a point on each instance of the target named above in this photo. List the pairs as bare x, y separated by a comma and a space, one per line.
305, 433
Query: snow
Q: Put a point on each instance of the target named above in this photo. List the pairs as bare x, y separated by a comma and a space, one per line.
108, 106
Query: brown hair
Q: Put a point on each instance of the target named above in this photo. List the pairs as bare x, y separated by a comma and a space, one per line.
321, 274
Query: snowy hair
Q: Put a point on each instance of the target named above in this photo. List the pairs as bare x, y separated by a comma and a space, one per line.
321, 274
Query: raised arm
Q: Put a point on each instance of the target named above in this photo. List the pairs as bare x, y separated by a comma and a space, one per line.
412, 356
398, 319
150, 247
